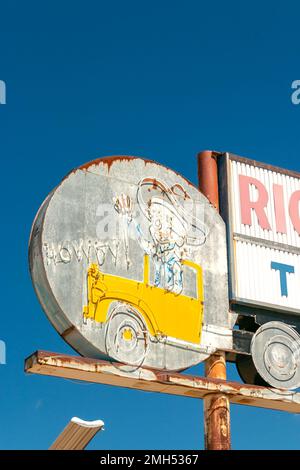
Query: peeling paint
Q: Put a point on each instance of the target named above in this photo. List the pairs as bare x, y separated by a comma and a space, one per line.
98, 371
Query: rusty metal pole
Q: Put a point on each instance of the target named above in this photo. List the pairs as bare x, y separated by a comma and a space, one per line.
216, 405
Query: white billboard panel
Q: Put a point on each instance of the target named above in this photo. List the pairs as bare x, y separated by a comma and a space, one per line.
261, 207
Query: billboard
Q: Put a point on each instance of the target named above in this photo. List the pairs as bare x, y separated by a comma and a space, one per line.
128, 260
260, 204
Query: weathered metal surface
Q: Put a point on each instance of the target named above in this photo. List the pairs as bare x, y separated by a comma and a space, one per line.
242, 341
275, 350
110, 373
260, 205
128, 260
217, 422
265, 166
216, 406
208, 176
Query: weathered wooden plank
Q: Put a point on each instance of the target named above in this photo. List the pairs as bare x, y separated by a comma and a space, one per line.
77, 434
110, 373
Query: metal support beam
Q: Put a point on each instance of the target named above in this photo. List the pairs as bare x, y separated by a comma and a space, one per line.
208, 176
216, 407
77, 434
110, 373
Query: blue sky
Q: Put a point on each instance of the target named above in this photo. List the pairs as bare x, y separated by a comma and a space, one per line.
157, 79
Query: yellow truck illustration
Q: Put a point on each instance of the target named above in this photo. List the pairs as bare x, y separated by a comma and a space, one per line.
151, 309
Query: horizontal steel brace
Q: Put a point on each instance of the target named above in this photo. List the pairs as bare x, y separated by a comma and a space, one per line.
112, 373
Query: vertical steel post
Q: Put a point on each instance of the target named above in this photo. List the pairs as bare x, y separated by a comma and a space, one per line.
216, 405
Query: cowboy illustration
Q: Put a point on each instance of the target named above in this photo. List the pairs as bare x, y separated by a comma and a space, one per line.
169, 228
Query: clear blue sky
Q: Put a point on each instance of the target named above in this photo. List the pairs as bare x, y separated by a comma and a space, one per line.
157, 79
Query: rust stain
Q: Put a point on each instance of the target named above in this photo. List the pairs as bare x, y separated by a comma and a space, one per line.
217, 424
162, 376
208, 176
216, 392
173, 379
110, 159
178, 186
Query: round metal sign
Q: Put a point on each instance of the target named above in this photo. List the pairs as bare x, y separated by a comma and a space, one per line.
128, 260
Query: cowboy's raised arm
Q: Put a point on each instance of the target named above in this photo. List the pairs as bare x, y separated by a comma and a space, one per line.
147, 246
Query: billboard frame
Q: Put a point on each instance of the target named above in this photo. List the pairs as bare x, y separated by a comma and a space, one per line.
226, 210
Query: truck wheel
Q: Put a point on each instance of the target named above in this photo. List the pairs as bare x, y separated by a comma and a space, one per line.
275, 350
248, 372
126, 337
